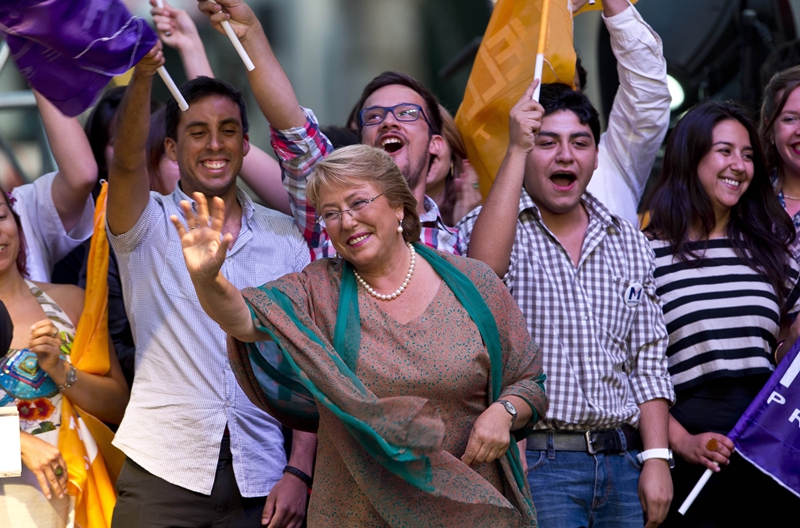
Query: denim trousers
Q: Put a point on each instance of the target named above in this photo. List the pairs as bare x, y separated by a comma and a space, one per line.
573, 489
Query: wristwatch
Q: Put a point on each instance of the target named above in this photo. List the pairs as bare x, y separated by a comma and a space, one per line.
663, 453
510, 409
72, 377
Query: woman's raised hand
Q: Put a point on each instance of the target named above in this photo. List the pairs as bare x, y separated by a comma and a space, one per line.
46, 344
46, 463
204, 246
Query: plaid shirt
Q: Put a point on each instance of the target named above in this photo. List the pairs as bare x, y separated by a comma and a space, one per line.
602, 356
299, 150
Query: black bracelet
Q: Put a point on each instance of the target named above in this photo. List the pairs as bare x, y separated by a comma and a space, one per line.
299, 474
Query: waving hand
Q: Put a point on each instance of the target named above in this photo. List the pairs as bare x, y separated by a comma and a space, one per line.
204, 246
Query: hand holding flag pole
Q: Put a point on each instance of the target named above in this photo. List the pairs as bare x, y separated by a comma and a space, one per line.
237, 44
167, 78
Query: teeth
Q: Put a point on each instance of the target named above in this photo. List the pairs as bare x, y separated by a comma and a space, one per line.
730, 181
390, 141
358, 239
214, 165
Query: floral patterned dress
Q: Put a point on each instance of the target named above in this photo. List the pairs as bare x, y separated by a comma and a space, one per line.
36, 396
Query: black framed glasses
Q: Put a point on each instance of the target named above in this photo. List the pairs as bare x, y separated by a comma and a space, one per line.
331, 218
374, 115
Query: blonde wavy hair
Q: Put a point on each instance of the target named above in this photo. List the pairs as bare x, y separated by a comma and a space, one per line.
361, 163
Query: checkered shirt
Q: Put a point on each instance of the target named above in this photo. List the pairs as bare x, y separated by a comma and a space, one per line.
299, 150
602, 356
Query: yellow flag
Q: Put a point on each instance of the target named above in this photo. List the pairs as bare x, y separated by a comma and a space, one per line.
89, 483
502, 71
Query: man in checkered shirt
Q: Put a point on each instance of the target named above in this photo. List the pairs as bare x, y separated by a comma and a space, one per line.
583, 278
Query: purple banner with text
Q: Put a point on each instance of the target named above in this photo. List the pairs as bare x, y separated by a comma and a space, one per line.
768, 433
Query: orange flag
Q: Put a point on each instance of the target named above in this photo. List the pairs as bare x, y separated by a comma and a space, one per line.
502, 71
90, 485
504, 68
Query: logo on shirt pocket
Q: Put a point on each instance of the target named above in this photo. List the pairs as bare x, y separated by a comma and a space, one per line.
632, 295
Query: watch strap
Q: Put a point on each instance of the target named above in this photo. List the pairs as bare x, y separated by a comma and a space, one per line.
510, 409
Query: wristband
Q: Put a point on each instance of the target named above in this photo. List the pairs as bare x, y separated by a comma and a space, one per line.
662, 453
299, 474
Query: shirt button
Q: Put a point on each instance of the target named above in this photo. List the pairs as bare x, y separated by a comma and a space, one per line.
227, 404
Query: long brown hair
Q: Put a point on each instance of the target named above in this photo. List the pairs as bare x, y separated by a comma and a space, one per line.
759, 230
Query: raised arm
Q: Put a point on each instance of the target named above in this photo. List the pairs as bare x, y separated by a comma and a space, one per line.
260, 171
639, 116
270, 85
77, 170
204, 251
493, 235
129, 184
177, 30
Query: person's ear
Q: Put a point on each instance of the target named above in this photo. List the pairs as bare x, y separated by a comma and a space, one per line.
246, 146
171, 149
435, 145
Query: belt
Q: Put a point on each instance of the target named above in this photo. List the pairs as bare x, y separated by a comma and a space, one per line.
598, 441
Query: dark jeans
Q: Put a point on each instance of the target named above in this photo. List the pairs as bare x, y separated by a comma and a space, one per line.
147, 501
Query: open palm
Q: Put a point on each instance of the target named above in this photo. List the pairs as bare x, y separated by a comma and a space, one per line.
204, 247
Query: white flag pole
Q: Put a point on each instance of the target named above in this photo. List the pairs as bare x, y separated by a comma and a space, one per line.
173, 88
696, 491
237, 44
165, 76
543, 27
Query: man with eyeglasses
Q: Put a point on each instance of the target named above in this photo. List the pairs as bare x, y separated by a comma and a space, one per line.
396, 113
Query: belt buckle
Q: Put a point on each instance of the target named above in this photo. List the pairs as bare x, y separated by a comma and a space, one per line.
589, 447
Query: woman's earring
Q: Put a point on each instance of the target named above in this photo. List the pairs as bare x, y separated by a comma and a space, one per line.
400, 227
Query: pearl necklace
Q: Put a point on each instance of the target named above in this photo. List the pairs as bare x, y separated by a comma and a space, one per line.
398, 291
793, 198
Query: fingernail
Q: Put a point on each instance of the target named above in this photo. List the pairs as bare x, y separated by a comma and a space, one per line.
168, 33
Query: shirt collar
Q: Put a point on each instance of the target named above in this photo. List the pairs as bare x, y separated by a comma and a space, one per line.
597, 211
431, 211
242, 197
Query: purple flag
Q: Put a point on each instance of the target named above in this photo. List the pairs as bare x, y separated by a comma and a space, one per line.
68, 50
768, 433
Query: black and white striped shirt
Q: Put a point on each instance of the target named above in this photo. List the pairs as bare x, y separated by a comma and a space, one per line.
722, 316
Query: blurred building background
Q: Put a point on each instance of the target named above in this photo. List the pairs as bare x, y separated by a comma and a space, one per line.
331, 48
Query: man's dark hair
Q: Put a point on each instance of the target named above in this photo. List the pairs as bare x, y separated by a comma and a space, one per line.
389, 78
759, 228
555, 97
340, 136
197, 89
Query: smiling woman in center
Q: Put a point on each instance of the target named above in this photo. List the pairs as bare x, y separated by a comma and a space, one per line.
414, 366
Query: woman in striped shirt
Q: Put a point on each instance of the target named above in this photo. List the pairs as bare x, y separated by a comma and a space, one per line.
728, 285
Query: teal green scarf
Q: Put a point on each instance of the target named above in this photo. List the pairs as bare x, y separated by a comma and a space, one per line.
287, 388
